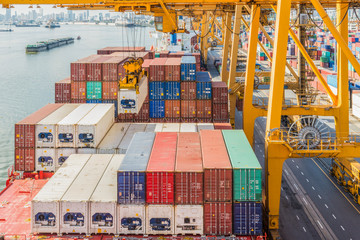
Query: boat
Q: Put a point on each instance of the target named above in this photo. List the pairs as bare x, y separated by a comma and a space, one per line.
26, 24
47, 45
6, 30
52, 24
37, 47
78, 38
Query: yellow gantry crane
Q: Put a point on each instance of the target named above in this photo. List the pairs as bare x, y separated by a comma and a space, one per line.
280, 144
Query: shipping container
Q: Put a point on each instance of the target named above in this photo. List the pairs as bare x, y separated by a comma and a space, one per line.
203, 109
74, 205
103, 207
78, 100
142, 54
160, 219
222, 126
133, 128
157, 69
219, 92
93, 90
129, 101
92, 128
63, 91
110, 90
158, 127
160, 169
247, 218
94, 101
188, 127
78, 90
66, 128
171, 127
205, 126
218, 218
156, 90
188, 170
25, 159
143, 115
112, 139
115, 103
246, 167
45, 159
45, 207
203, 85
146, 66
172, 108
62, 154
86, 150
110, 50
188, 90
172, 90
188, 68
157, 109
172, 69
220, 111
131, 219
113, 68
78, 69
150, 127
188, 109
217, 167
46, 129
25, 129
189, 219
131, 173
94, 68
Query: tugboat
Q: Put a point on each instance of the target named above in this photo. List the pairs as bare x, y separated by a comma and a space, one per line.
78, 38
52, 24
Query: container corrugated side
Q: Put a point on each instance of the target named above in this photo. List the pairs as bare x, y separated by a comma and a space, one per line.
172, 108
45, 207
172, 90
156, 90
113, 138
188, 90
131, 173
63, 91
188, 68
25, 159
103, 207
189, 219
218, 218
62, 154
157, 109
124, 144
172, 69
74, 204
219, 92
171, 127
247, 218
160, 219
203, 109
131, 219
247, 170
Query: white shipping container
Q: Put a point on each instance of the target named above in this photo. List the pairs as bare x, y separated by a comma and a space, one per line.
62, 155
113, 138
133, 128
150, 127
66, 129
93, 127
131, 219
356, 111
356, 99
188, 127
45, 206
205, 126
189, 219
171, 127
158, 127
86, 150
160, 219
45, 159
45, 130
103, 201
74, 205
131, 102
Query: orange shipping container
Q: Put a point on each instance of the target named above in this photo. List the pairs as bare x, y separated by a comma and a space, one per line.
172, 108
78, 90
188, 108
203, 109
110, 90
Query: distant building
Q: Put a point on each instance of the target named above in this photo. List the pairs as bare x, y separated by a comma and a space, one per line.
8, 14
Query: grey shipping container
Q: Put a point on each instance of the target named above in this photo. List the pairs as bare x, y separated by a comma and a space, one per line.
133, 128
113, 138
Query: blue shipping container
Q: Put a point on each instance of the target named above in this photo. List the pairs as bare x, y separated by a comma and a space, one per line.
247, 218
332, 80
172, 90
203, 86
157, 109
156, 90
115, 102
93, 101
188, 68
131, 173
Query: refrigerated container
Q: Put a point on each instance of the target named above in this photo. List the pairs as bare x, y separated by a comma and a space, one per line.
103, 207
247, 218
188, 68
189, 219
247, 170
129, 101
63, 91
46, 129
74, 204
160, 219
160, 169
172, 69
94, 90
113, 138
66, 128
92, 128
45, 159
131, 173
217, 167
45, 206
188, 127
218, 218
62, 154
133, 128
171, 127
131, 219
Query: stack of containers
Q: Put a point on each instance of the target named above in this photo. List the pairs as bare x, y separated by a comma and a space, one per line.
160, 185
126, 140
172, 89
25, 138
110, 50
131, 184
156, 89
203, 97
217, 184
189, 185
220, 102
247, 190
63, 91
356, 104
188, 89
110, 143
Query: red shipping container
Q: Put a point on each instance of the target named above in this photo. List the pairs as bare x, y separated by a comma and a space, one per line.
188, 120
78, 100
172, 108
113, 68
143, 115
188, 170
25, 129
203, 109
188, 90
109, 50
172, 120
164, 54
79, 68
78, 90
172, 69
63, 91
25, 159
239, 104
218, 218
110, 90
157, 69
160, 169
220, 111
188, 108
219, 92
94, 68
204, 120
222, 126
126, 117
198, 60
142, 54
217, 167
146, 66
151, 54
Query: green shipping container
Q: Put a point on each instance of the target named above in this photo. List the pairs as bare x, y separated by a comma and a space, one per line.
93, 90
246, 167
157, 55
